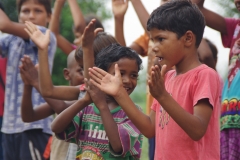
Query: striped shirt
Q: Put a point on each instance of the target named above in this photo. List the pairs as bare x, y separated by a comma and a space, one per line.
88, 132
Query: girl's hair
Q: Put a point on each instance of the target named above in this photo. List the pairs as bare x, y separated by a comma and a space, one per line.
101, 41
45, 3
114, 53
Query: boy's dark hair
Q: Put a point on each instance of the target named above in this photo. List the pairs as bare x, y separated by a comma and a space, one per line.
178, 16
213, 49
1, 6
45, 3
113, 53
79, 54
101, 41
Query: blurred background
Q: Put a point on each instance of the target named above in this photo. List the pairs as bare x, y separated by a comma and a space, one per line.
132, 29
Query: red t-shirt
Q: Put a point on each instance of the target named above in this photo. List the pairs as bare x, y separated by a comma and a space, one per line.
187, 89
3, 63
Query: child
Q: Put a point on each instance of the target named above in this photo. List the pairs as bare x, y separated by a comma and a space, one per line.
79, 20
25, 140
184, 116
230, 128
102, 129
99, 42
73, 73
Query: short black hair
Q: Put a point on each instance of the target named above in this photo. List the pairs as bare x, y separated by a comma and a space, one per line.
178, 16
113, 53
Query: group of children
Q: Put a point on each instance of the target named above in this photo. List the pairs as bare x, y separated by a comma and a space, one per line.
95, 117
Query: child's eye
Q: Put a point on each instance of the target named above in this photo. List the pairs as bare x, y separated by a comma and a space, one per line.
160, 39
134, 75
38, 10
25, 11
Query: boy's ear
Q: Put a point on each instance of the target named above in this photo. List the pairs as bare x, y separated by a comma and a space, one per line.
66, 74
189, 39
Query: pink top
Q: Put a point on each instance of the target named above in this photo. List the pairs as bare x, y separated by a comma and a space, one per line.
187, 89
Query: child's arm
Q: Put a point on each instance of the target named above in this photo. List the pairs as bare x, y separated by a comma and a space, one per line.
78, 18
46, 87
142, 13
7, 26
62, 42
29, 76
87, 46
110, 126
64, 119
212, 19
112, 85
119, 9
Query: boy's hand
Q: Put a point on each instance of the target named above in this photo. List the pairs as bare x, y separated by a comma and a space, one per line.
111, 85
97, 96
156, 81
89, 34
28, 72
119, 8
41, 40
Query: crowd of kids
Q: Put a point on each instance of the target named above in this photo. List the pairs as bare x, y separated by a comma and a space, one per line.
190, 113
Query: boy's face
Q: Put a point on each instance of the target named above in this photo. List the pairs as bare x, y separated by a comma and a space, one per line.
129, 72
33, 12
167, 47
75, 74
237, 4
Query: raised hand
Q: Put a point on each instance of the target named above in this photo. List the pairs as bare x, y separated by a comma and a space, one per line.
97, 96
156, 81
110, 84
119, 8
90, 33
28, 72
41, 40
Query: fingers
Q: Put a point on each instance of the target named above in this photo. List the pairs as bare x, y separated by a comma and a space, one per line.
48, 33
95, 75
117, 71
97, 30
163, 70
31, 27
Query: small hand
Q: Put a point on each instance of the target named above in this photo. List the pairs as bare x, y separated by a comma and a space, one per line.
111, 85
97, 96
41, 40
90, 33
119, 8
156, 81
28, 71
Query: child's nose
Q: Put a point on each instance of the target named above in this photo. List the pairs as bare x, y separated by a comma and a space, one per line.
126, 79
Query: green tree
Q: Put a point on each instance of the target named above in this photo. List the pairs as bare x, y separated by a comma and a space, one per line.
96, 7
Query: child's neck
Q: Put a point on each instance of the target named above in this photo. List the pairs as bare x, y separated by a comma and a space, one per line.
112, 104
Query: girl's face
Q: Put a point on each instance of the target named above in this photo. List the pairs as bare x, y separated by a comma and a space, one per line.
129, 71
237, 4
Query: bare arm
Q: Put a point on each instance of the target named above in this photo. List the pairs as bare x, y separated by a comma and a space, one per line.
78, 18
62, 42
142, 13
29, 76
7, 26
119, 9
46, 87
64, 119
195, 125
87, 45
213, 20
